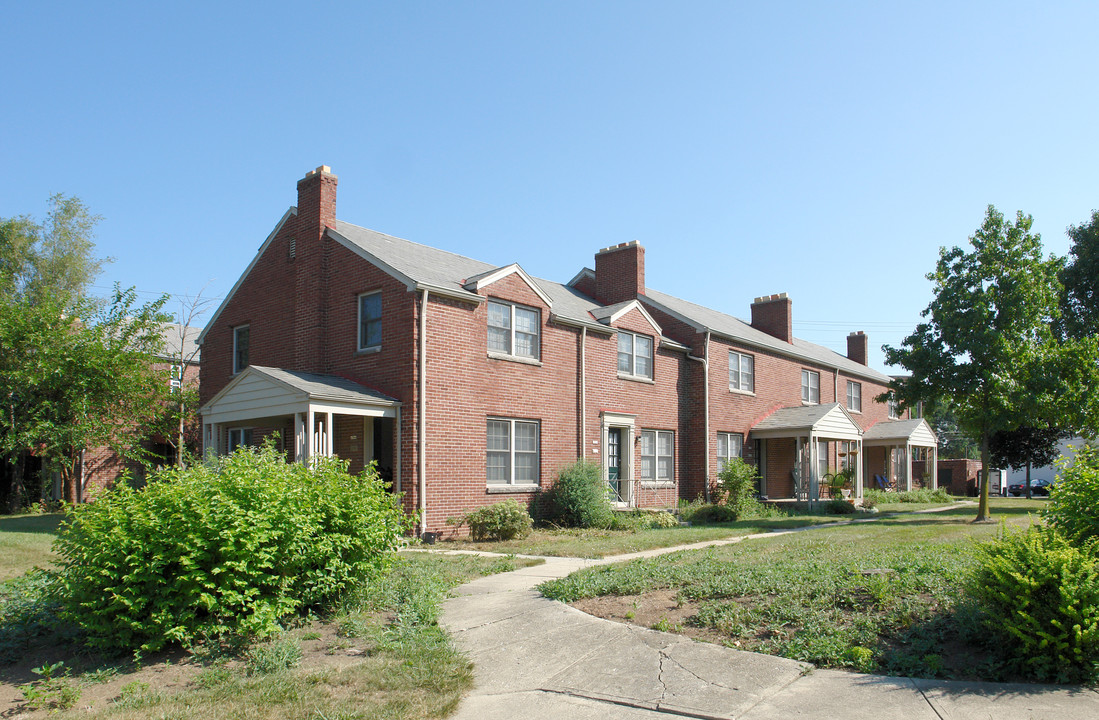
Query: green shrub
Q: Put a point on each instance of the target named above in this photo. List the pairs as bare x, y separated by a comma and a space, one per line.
921, 495
707, 514
1040, 594
502, 521
641, 520
28, 612
224, 550
839, 507
579, 497
272, 656
736, 485
1073, 506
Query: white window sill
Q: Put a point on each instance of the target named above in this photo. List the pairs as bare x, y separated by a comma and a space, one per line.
513, 358
808, 402
636, 378
738, 391
498, 489
857, 412
369, 350
657, 484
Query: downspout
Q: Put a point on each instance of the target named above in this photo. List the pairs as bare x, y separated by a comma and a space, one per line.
582, 420
422, 450
706, 413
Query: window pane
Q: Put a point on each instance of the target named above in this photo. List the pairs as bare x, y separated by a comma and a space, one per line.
664, 468
644, 360
526, 345
747, 373
647, 468
526, 320
372, 306
526, 467
526, 437
648, 446
499, 340
498, 435
664, 443
734, 370
498, 467
736, 445
722, 445
625, 353
240, 349
499, 315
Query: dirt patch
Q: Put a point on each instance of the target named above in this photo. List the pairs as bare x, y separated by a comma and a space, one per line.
103, 681
659, 610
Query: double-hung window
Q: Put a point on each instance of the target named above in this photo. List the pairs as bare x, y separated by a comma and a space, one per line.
810, 387
513, 329
894, 409
239, 437
657, 456
635, 355
854, 396
742, 372
370, 321
512, 454
729, 446
240, 348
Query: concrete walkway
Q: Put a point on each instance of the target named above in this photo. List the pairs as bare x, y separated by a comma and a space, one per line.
539, 659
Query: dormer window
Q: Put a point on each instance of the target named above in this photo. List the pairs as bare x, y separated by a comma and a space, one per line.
513, 330
635, 355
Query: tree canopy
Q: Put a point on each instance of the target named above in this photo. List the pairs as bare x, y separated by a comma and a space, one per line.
75, 371
987, 342
1080, 277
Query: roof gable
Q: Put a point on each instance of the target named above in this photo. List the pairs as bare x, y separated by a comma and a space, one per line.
828, 421
610, 314
476, 283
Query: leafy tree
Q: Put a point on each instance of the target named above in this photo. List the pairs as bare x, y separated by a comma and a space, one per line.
1025, 447
1080, 277
953, 442
75, 371
987, 342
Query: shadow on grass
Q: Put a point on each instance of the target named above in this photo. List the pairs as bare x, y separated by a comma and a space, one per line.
48, 524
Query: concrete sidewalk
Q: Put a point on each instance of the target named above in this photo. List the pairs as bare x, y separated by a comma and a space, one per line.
539, 659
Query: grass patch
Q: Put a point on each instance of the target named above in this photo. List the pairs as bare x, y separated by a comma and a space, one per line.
874, 597
383, 655
26, 541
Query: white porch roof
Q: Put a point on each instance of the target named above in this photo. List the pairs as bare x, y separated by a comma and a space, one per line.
264, 392
901, 432
830, 421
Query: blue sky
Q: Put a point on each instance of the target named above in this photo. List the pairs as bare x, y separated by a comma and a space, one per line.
826, 150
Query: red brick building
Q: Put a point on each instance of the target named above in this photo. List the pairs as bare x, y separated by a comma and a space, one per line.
469, 383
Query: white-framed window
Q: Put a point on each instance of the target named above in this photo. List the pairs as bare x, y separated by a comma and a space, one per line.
810, 387
729, 446
894, 409
635, 354
240, 348
512, 454
849, 454
742, 372
513, 329
370, 320
239, 437
854, 396
657, 456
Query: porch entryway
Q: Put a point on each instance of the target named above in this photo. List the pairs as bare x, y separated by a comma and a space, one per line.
306, 415
891, 449
619, 431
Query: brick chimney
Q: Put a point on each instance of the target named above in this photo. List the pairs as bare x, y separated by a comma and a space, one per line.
310, 260
773, 314
620, 273
858, 346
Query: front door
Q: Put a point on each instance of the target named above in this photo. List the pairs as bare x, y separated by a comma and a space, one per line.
614, 464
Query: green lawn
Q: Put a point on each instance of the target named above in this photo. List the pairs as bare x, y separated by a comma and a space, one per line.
25, 542
876, 597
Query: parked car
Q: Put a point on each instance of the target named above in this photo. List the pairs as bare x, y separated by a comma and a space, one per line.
1037, 487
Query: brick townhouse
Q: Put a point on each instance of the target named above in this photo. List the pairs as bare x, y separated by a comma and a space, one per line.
469, 383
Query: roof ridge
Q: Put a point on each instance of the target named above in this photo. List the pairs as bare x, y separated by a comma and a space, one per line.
423, 245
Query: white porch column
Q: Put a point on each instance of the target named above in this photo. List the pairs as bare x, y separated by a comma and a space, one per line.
328, 439
397, 452
908, 466
814, 477
859, 476
300, 453
310, 434
208, 449
799, 468
935, 468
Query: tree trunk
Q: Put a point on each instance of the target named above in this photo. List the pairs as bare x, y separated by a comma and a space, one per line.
68, 478
15, 501
983, 515
179, 437
1028, 481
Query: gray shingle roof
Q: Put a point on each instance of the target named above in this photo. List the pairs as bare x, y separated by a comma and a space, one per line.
792, 418
326, 387
737, 330
174, 335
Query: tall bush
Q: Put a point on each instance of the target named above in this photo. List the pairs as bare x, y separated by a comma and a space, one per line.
579, 497
1073, 506
228, 549
736, 483
1040, 593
